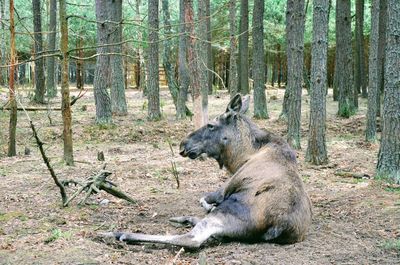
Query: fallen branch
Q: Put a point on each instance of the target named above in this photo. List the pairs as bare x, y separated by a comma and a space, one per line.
94, 185
33, 109
347, 174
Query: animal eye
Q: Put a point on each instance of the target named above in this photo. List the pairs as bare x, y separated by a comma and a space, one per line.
210, 127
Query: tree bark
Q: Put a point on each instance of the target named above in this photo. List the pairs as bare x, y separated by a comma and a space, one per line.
373, 88
12, 149
389, 151
3, 51
260, 102
381, 52
117, 91
295, 20
359, 71
202, 53
153, 89
345, 59
194, 66
233, 66
51, 86
100, 83
316, 148
183, 71
39, 63
244, 48
209, 47
65, 101
80, 76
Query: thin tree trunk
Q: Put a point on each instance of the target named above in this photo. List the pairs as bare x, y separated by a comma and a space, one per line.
51, 86
316, 148
142, 68
202, 50
100, 83
381, 53
39, 63
260, 102
345, 59
209, 48
12, 150
295, 20
65, 103
389, 151
194, 66
80, 76
3, 51
359, 71
153, 86
373, 89
167, 58
233, 70
117, 91
244, 48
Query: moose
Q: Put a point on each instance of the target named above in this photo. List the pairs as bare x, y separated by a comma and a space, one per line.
263, 201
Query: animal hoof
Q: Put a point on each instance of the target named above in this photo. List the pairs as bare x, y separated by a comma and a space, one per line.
208, 207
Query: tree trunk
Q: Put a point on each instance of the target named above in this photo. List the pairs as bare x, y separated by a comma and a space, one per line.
316, 148
65, 103
80, 77
51, 86
194, 66
209, 48
183, 71
389, 151
100, 83
202, 50
260, 102
3, 51
167, 58
233, 70
39, 63
12, 149
141, 84
244, 48
345, 59
117, 92
360, 81
295, 53
153, 89
336, 78
359, 71
373, 89
381, 52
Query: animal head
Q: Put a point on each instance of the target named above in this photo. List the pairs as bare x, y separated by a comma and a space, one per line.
221, 138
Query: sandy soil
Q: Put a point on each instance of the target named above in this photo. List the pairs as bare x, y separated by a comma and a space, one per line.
356, 221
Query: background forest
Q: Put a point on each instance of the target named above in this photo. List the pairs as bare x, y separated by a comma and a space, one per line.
86, 85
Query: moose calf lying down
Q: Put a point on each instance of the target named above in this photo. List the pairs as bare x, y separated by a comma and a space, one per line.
264, 200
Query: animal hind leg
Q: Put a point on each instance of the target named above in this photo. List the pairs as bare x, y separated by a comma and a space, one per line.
190, 220
203, 230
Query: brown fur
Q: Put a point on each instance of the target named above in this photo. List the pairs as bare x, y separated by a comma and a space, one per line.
264, 200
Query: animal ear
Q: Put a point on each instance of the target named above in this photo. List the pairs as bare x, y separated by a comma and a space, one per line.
235, 105
245, 104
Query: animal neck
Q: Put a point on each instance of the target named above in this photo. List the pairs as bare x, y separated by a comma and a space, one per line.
238, 152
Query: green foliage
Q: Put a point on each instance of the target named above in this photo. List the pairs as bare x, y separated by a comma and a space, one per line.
82, 24
392, 245
57, 234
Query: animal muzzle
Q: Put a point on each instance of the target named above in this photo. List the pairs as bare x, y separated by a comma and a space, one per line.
185, 150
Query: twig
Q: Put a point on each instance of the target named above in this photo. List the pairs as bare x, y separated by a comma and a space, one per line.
45, 158
174, 169
177, 256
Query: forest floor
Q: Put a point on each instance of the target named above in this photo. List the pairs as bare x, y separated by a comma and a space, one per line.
356, 220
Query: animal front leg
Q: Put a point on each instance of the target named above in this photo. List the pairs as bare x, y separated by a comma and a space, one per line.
211, 200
